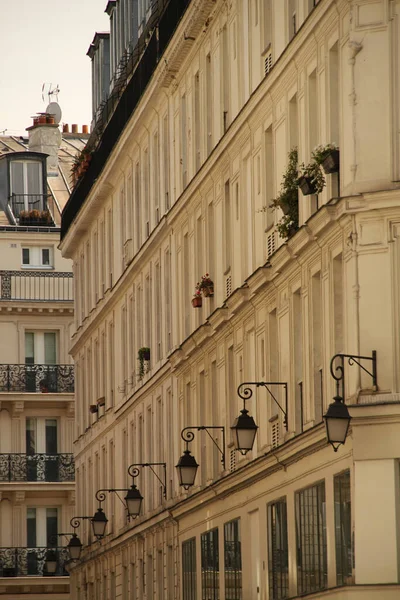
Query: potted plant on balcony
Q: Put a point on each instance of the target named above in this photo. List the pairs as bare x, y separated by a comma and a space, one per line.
328, 157
143, 355
206, 286
311, 179
288, 199
197, 300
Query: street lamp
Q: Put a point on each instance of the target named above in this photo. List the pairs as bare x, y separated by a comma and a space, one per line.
133, 499
99, 523
337, 418
337, 422
187, 465
74, 547
51, 562
244, 428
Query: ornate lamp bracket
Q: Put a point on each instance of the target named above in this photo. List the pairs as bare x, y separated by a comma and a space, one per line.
245, 392
134, 471
187, 434
338, 372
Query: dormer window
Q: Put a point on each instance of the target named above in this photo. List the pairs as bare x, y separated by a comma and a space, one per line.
26, 186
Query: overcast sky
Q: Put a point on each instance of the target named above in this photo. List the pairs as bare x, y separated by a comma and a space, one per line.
45, 41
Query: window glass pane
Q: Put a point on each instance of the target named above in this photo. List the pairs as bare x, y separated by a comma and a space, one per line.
25, 256
278, 550
29, 348
30, 434
17, 177
312, 572
45, 256
233, 560
344, 558
51, 436
50, 348
189, 580
34, 180
51, 525
31, 528
210, 565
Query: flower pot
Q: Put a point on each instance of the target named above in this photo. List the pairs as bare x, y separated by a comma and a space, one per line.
208, 291
197, 302
144, 354
331, 162
285, 207
307, 186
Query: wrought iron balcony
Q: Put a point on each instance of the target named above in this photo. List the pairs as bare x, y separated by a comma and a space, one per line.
37, 286
53, 379
37, 467
31, 209
26, 562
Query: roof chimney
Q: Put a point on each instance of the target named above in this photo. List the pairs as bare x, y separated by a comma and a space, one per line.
45, 137
85, 129
74, 128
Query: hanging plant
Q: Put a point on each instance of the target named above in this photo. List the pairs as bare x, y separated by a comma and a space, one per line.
143, 355
311, 179
328, 157
206, 285
287, 199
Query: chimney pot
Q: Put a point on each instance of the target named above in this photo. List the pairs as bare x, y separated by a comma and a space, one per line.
65, 128
85, 129
74, 128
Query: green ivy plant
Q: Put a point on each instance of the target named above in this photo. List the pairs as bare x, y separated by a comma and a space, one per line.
287, 199
320, 152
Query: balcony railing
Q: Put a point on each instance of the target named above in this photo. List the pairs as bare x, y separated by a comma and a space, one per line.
37, 467
26, 562
53, 379
24, 203
36, 286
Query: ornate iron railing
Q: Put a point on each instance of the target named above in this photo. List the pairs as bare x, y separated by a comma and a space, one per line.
37, 378
37, 467
36, 286
26, 562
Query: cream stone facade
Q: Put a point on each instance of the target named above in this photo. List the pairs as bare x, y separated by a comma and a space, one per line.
37, 478
195, 150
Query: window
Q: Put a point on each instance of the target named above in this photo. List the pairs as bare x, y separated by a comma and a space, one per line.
278, 550
41, 526
210, 565
312, 572
26, 186
37, 257
189, 569
344, 561
233, 560
40, 347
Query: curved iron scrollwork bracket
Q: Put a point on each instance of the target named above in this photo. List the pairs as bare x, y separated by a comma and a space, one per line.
245, 393
187, 434
100, 495
75, 522
338, 373
134, 471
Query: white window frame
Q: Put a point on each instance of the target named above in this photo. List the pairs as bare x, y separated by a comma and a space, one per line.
36, 257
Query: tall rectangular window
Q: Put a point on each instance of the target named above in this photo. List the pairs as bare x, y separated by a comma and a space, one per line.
298, 359
278, 571
225, 79
156, 181
138, 215
227, 227
269, 178
312, 570
337, 285
189, 578
341, 483
146, 182
292, 18
167, 299
196, 127
166, 163
158, 309
233, 560
183, 141
210, 565
316, 290
208, 105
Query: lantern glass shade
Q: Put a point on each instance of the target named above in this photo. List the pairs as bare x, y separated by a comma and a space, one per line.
133, 501
187, 469
51, 562
337, 421
99, 523
74, 547
244, 432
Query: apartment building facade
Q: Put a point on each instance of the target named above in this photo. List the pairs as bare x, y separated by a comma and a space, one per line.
37, 472
192, 154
